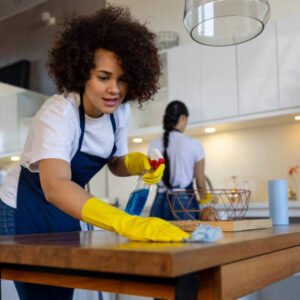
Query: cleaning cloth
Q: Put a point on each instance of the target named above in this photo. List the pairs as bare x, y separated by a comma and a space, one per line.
205, 233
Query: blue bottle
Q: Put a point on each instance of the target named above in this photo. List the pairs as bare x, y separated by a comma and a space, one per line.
138, 198
139, 195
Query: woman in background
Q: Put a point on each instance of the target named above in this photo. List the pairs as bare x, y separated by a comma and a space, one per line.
99, 64
184, 160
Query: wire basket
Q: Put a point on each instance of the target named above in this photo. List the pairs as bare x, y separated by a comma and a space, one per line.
221, 204
166, 39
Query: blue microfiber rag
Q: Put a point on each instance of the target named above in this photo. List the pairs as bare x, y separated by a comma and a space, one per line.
205, 233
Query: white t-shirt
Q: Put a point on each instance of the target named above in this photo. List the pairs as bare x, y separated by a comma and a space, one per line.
183, 152
55, 132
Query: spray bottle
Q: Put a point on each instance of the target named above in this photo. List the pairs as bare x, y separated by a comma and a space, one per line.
139, 195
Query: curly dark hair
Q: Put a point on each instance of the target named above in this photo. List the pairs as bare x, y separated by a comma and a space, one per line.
114, 29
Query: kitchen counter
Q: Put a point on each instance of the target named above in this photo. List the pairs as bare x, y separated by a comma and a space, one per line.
261, 209
258, 210
101, 260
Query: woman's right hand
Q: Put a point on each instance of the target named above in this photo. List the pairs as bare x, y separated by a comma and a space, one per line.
135, 228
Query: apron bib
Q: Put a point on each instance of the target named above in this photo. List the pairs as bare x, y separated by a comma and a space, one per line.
34, 214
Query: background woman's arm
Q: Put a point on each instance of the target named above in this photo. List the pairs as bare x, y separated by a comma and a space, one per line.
200, 177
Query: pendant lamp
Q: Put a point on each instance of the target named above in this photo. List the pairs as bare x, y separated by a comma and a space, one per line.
225, 22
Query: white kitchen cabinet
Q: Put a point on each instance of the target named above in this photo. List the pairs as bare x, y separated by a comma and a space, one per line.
256, 79
218, 83
150, 115
289, 61
205, 79
184, 78
257, 73
9, 135
180, 81
17, 106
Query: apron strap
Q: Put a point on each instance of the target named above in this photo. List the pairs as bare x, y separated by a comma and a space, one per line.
82, 122
113, 123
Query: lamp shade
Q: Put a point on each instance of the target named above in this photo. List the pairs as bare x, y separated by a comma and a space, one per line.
225, 22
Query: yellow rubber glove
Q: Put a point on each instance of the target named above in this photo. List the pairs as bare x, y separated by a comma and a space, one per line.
137, 163
208, 198
135, 228
154, 176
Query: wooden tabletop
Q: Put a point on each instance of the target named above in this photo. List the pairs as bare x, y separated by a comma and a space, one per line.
107, 252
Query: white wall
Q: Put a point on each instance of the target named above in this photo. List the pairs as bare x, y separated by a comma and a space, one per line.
254, 156
161, 15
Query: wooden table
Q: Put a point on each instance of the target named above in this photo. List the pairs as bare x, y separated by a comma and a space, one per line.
240, 263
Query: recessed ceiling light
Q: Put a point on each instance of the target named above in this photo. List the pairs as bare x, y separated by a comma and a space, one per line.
15, 158
137, 140
297, 118
210, 130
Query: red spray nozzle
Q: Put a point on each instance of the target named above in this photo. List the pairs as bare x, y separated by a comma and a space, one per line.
156, 159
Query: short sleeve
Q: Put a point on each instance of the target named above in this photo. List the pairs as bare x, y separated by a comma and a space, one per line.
198, 150
156, 144
54, 133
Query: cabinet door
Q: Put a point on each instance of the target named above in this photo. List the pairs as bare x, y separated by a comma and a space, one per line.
205, 78
289, 61
17, 106
184, 82
257, 73
219, 85
150, 115
9, 138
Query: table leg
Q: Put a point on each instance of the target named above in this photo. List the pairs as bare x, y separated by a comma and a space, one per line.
209, 284
186, 287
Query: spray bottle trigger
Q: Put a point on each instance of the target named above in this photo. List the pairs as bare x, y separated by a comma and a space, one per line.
156, 159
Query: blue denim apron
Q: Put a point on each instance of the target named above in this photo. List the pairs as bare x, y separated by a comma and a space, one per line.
161, 207
35, 215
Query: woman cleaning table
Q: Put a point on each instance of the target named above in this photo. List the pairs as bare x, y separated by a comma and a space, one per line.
99, 63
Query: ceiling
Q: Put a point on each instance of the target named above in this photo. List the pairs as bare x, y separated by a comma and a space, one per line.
9, 8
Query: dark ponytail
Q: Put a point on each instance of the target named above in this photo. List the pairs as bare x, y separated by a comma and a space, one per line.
173, 111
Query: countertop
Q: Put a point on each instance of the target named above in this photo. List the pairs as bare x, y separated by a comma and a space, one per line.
261, 209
